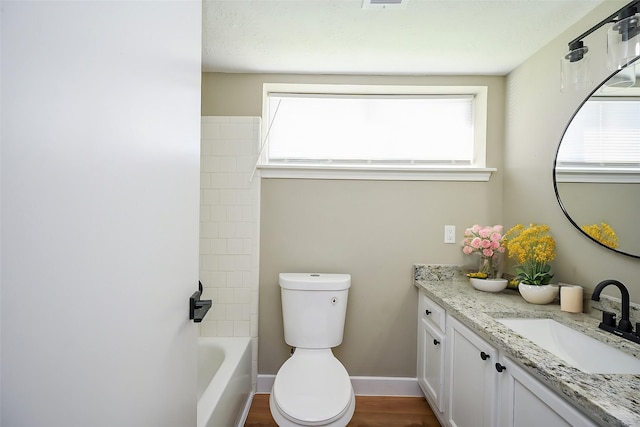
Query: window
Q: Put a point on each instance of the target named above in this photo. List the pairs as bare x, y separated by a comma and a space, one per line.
602, 144
379, 132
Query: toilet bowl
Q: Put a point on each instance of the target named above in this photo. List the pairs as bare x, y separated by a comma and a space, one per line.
312, 387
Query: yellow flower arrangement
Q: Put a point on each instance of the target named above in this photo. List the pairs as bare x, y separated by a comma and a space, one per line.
533, 248
602, 233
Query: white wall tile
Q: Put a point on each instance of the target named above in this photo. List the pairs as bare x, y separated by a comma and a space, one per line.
248, 246
210, 130
205, 180
209, 230
244, 230
235, 213
209, 328
253, 305
205, 247
229, 217
205, 213
237, 311
254, 325
226, 263
210, 197
249, 279
209, 262
242, 296
217, 246
227, 229
242, 262
226, 296
241, 328
235, 279
235, 247
225, 328
217, 312
218, 279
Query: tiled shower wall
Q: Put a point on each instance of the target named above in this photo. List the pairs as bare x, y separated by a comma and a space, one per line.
229, 226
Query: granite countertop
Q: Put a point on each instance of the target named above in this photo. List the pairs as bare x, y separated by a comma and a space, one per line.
609, 399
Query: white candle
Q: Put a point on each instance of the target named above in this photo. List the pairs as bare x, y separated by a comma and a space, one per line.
571, 298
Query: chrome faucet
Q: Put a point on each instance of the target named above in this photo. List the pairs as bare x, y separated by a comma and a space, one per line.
624, 325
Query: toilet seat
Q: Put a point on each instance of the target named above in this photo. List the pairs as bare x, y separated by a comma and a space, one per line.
313, 388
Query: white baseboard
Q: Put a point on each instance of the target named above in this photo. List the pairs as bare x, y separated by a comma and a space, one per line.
265, 384
363, 386
386, 386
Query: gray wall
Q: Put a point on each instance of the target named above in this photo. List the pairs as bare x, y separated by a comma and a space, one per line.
374, 230
615, 204
537, 114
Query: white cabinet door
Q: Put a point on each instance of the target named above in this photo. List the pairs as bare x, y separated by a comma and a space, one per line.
472, 378
431, 350
525, 402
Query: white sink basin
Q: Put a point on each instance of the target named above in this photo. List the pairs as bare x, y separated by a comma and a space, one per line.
575, 348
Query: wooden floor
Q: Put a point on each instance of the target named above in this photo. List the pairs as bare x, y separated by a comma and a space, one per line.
371, 411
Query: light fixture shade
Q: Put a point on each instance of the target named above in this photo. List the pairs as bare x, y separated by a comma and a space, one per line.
622, 79
574, 69
623, 41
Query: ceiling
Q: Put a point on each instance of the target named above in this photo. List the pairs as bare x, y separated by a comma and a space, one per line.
419, 37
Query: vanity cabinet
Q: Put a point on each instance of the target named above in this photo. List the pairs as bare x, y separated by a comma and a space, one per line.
525, 402
469, 383
431, 352
472, 378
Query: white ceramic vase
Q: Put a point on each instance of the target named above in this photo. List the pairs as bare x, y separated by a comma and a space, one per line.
543, 294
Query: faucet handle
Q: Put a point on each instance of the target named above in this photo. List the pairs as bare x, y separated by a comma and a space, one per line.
609, 318
625, 325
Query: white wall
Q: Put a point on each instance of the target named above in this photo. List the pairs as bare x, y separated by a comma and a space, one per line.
537, 114
229, 226
100, 172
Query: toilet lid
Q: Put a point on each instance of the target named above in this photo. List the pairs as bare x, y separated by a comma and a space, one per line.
312, 387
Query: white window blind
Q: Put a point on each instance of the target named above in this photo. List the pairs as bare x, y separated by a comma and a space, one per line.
604, 134
370, 129
379, 132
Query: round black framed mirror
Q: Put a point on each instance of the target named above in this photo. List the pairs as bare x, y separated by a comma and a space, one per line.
596, 172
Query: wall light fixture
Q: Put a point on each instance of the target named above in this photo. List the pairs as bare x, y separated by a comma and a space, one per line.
623, 47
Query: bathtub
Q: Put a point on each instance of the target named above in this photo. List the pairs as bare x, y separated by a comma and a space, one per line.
224, 381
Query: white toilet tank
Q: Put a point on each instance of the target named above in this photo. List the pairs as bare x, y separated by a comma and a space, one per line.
314, 308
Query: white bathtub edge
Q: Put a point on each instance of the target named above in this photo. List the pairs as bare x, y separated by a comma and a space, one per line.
245, 411
237, 361
363, 386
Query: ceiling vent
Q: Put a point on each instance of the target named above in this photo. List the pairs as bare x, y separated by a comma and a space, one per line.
384, 4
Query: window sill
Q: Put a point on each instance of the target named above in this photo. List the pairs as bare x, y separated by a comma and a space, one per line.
379, 173
598, 175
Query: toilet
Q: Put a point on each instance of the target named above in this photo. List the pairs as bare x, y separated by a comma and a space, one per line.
312, 388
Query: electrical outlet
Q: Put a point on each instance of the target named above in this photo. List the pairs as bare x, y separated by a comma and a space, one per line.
449, 233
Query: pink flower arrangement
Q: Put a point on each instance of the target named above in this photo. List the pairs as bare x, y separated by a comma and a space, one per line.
487, 241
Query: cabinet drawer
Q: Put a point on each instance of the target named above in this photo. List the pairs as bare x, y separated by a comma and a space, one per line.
432, 312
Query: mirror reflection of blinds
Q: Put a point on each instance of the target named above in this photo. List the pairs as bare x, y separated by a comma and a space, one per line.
366, 129
604, 133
